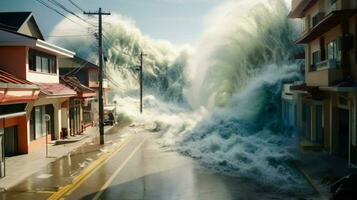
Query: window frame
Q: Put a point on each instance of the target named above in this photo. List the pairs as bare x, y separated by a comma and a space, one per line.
336, 46
313, 64
35, 57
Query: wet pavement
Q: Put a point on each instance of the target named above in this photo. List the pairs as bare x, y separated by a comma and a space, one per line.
61, 172
139, 169
142, 170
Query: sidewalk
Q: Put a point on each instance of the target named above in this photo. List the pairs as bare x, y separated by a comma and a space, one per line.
321, 170
20, 167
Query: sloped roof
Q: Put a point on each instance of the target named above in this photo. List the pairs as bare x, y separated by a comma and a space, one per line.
16, 90
8, 80
56, 89
6, 77
13, 21
75, 84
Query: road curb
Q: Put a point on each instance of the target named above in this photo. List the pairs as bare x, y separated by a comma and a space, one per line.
309, 180
63, 191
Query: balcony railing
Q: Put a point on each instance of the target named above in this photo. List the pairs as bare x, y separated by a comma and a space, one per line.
327, 64
327, 73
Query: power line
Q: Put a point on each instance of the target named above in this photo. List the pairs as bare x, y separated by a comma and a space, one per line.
76, 5
63, 7
69, 35
55, 10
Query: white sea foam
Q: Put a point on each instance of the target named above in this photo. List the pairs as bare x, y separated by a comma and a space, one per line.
218, 102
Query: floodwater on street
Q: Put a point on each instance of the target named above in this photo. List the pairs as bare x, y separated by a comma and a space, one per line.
143, 170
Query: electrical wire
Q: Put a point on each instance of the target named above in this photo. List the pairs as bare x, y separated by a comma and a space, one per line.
63, 7
55, 10
76, 5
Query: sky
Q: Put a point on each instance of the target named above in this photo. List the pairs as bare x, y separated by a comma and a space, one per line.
178, 21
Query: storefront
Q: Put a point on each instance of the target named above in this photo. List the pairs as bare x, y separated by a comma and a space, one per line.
13, 132
41, 122
87, 112
15, 94
80, 108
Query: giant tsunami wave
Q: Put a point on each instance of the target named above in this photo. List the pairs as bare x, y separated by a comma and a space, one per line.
218, 102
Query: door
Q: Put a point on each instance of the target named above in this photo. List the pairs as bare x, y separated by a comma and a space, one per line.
343, 133
319, 128
2, 156
50, 128
11, 141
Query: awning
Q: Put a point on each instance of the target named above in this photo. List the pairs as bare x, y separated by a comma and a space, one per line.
330, 21
343, 86
14, 89
56, 89
310, 90
303, 88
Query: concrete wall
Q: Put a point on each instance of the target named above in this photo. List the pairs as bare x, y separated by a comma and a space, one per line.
22, 136
39, 77
13, 60
323, 77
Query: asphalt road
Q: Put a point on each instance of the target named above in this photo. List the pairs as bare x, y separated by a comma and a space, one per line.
142, 170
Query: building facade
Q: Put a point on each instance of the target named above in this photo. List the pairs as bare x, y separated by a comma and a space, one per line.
15, 94
24, 53
79, 105
87, 74
327, 100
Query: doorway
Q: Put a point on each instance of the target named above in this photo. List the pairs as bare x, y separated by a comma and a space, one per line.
50, 128
343, 133
11, 144
319, 125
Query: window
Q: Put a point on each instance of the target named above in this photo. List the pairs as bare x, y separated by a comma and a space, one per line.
334, 51
93, 76
316, 58
38, 123
41, 62
314, 20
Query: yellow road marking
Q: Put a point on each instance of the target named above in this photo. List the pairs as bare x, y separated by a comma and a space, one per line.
77, 181
110, 180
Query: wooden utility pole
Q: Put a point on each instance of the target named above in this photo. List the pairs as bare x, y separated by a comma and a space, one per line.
141, 80
100, 76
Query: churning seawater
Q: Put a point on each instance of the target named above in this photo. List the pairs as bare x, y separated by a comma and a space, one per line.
218, 102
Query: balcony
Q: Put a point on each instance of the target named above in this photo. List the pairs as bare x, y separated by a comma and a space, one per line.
325, 24
95, 84
326, 74
299, 6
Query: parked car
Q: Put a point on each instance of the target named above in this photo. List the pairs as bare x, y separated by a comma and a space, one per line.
109, 118
345, 188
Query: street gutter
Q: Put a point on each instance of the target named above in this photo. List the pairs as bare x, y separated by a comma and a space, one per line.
88, 171
309, 180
